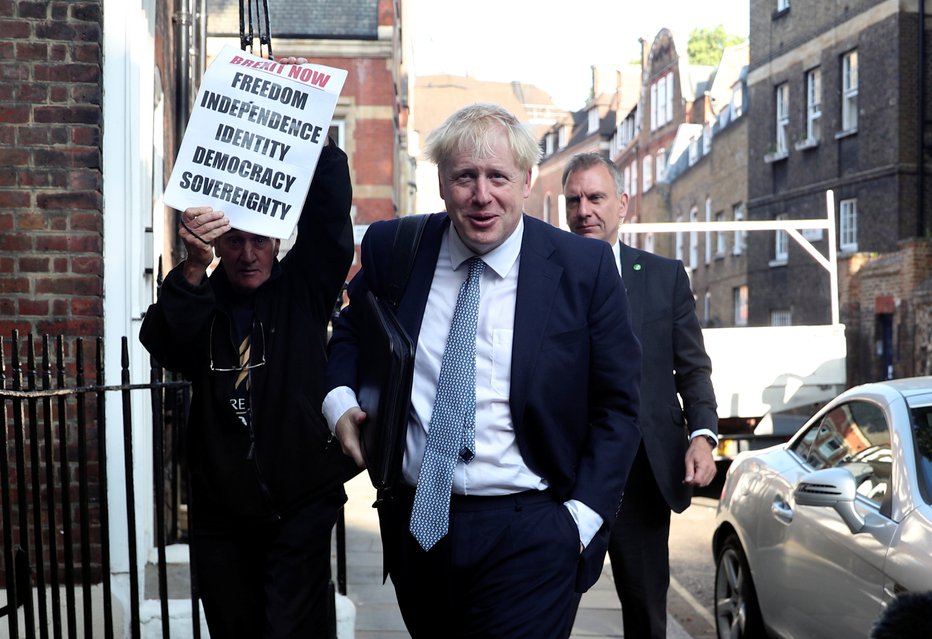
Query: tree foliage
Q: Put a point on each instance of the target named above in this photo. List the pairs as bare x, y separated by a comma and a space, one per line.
705, 45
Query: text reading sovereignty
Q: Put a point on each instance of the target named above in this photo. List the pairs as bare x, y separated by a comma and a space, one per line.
257, 143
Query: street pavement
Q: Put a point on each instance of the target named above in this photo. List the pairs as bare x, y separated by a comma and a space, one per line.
376, 612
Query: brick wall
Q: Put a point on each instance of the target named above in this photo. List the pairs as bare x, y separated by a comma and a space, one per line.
896, 283
51, 224
50, 167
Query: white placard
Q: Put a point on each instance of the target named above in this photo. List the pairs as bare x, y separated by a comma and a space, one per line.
253, 140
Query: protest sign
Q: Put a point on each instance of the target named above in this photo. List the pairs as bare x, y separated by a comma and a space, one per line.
253, 140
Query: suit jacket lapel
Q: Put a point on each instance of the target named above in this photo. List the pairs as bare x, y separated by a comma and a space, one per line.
538, 279
632, 272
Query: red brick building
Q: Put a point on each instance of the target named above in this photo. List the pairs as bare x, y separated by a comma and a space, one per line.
371, 118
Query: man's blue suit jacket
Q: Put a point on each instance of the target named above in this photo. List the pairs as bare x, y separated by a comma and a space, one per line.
575, 369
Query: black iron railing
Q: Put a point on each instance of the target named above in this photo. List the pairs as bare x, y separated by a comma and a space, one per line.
55, 515
56, 547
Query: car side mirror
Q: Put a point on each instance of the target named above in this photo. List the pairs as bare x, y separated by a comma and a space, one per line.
831, 488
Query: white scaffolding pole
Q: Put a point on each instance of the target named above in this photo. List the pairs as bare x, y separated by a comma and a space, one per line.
791, 227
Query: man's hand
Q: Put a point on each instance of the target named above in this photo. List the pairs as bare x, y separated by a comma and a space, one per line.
347, 432
700, 466
200, 226
292, 60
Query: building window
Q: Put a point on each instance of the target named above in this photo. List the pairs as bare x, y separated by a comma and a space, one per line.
813, 104
653, 106
720, 236
849, 91
781, 244
549, 144
783, 5
740, 302
680, 249
848, 225
627, 178
634, 178
783, 118
693, 240
337, 132
739, 239
708, 234
564, 136
707, 308
593, 119
649, 242
647, 175
661, 161
661, 101
547, 210
781, 317
737, 100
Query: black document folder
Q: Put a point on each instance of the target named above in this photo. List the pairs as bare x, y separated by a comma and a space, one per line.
386, 368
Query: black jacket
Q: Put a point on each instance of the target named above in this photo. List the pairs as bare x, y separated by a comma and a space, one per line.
283, 460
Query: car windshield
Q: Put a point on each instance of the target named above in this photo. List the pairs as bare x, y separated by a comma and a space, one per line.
922, 434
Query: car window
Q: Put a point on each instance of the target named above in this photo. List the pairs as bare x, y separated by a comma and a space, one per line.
853, 436
922, 435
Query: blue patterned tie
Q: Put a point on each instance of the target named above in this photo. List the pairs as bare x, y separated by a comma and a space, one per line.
452, 431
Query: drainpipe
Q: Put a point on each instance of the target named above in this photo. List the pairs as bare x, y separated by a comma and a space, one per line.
200, 47
921, 137
182, 19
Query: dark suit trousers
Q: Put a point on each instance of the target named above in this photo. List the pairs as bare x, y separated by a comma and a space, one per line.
506, 569
267, 579
639, 553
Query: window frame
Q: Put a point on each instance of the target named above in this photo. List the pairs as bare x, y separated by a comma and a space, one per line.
781, 243
739, 299
720, 246
740, 238
782, 118
647, 175
814, 104
660, 160
849, 91
693, 240
848, 225
593, 115
680, 244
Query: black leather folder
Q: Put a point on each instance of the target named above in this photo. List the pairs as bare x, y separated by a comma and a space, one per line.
386, 368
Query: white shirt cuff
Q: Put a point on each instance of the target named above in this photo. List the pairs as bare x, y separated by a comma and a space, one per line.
703, 432
337, 402
587, 520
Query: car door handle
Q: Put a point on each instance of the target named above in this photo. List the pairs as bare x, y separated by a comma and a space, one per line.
781, 510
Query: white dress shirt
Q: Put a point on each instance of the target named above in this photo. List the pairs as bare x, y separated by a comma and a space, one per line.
498, 467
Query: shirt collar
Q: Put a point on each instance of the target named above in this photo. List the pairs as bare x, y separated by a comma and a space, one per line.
500, 259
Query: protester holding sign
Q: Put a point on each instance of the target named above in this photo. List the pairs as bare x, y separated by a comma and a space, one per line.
266, 485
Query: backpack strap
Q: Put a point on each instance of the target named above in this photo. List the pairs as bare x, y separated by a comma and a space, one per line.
404, 249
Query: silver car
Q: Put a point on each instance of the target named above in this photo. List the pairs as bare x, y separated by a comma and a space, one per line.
815, 536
